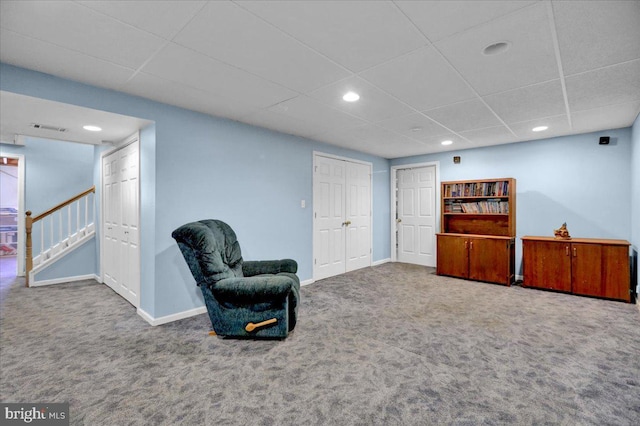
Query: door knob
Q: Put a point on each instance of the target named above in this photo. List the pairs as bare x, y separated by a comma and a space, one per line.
347, 223
398, 220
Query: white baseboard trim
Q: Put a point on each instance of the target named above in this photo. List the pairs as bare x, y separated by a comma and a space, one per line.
64, 280
519, 277
173, 317
307, 282
380, 262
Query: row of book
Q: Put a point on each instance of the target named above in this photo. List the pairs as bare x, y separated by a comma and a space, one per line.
489, 206
477, 189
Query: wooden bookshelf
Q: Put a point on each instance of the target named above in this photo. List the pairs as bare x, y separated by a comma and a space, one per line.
478, 229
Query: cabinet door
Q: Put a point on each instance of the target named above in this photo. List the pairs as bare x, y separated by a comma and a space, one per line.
586, 267
616, 274
489, 260
453, 258
547, 264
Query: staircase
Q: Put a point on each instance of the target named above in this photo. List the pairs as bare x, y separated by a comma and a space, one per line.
59, 231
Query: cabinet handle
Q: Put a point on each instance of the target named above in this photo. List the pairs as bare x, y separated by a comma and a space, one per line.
466, 244
575, 252
566, 250
471, 246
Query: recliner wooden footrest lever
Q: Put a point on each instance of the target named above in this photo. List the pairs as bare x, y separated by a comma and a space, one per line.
251, 326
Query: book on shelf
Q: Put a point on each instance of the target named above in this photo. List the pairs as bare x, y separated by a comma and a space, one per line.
477, 189
484, 207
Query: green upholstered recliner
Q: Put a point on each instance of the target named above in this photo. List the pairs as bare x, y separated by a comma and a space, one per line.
243, 298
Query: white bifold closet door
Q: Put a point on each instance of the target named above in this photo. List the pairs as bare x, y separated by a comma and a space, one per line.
121, 228
342, 216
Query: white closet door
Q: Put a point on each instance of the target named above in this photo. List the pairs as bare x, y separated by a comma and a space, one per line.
342, 216
329, 227
111, 218
416, 216
120, 171
358, 216
129, 236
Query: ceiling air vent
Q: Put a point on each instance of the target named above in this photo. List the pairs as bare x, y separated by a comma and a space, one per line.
47, 127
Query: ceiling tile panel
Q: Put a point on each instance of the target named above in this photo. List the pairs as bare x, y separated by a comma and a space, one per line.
376, 135
263, 50
489, 136
41, 56
593, 34
535, 101
162, 18
78, 28
608, 117
195, 70
416, 126
421, 79
463, 116
285, 124
440, 19
169, 92
312, 111
355, 34
372, 139
373, 104
606, 86
529, 59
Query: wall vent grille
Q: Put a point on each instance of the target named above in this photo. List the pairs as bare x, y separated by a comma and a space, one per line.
47, 127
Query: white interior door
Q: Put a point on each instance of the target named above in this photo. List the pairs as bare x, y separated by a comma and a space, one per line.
416, 218
120, 183
342, 216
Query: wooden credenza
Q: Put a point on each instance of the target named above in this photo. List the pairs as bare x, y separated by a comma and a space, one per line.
476, 257
583, 266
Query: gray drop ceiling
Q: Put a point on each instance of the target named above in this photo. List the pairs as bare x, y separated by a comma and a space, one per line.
418, 66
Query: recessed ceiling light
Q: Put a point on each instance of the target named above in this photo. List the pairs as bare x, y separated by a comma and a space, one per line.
351, 96
446, 142
92, 128
540, 128
496, 48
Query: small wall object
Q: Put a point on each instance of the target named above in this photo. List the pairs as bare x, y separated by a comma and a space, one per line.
456, 159
562, 233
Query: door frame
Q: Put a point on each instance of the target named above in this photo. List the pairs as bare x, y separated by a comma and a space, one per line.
20, 255
134, 138
313, 191
393, 177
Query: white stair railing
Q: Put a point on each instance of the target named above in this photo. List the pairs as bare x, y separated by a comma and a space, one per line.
59, 230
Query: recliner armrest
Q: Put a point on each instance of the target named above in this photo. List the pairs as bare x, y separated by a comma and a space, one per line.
252, 289
259, 267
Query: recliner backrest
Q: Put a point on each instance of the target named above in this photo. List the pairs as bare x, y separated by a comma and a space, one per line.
211, 250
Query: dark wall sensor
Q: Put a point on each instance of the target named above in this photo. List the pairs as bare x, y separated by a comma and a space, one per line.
604, 140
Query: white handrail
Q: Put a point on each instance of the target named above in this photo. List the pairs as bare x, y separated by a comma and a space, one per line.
65, 240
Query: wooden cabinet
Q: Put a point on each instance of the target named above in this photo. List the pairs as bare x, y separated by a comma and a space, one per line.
476, 257
478, 230
584, 266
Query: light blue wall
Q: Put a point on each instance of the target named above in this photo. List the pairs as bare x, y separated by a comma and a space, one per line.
568, 179
635, 191
54, 172
197, 166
